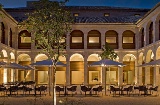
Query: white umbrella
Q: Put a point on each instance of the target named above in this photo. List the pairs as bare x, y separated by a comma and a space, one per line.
107, 63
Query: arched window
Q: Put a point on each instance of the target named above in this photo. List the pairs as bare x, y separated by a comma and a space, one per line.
2, 33
24, 40
111, 39
128, 40
94, 39
142, 38
151, 33
76, 40
10, 37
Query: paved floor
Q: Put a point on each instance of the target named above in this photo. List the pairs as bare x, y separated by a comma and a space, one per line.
81, 100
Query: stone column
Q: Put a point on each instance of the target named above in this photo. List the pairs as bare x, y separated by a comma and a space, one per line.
33, 43
147, 75
137, 37
32, 71
120, 72
146, 35
103, 38
86, 72
120, 39
85, 39
68, 41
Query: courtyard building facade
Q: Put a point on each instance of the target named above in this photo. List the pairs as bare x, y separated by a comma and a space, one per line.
134, 34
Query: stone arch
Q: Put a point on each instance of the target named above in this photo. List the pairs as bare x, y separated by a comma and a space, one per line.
149, 56
77, 39
77, 68
111, 39
129, 69
158, 53
128, 39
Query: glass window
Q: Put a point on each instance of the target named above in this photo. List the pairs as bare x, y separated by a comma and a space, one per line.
93, 39
127, 39
106, 14
111, 39
76, 39
25, 39
75, 14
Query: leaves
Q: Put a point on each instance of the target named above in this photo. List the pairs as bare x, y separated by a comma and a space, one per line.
49, 23
108, 53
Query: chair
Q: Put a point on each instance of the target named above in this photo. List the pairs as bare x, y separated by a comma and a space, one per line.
97, 90
114, 90
128, 89
13, 90
3, 89
143, 89
40, 89
152, 89
72, 89
59, 89
85, 89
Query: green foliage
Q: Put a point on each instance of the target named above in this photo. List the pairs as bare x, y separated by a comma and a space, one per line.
49, 23
108, 53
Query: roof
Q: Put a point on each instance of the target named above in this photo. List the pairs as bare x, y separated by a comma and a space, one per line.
92, 14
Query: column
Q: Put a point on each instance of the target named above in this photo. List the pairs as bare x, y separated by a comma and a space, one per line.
68, 75
146, 36
137, 39
86, 72
33, 43
68, 41
120, 39
147, 75
85, 40
120, 72
155, 31
104, 79
32, 71
103, 38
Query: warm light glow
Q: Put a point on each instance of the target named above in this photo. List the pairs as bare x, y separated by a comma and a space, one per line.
5, 76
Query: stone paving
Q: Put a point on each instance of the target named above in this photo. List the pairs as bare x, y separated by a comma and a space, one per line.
81, 100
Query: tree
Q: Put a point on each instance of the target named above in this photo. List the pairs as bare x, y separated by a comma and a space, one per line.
108, 53
49, 23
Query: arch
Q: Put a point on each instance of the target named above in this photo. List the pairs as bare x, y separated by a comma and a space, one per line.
76, 57
24, 40
4, 52
129, 69
10, 37
128, 40
142, 40
12, 56
94, 39
93, 57
141, 58
24, 57
2, 33
41, 57
62, 58
77, 39
158, 25
158, 53
151, 33
111, 38
149, 56
77, 68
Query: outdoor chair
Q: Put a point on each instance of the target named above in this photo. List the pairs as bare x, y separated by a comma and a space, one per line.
128, 89
97, 90
3, 89
114, 90
40, 89
59, 89
13, 90
73, 89
153, 89
143, 89
85, 89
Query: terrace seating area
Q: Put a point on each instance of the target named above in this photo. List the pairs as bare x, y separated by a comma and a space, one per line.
22, 88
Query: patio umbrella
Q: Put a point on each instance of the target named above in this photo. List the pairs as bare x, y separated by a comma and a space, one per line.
47, 62
107, 63
2, 63
152, 63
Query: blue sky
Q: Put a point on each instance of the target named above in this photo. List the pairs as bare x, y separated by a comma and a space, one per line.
115, 3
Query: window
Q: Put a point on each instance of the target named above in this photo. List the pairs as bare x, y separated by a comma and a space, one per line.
25, 39
136, 14
93, 39
106, 14
76, 14
127, 39
76, 39
111, 39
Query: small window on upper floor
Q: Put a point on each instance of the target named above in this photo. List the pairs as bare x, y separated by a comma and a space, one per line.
106, 14
76, 14
136, 14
